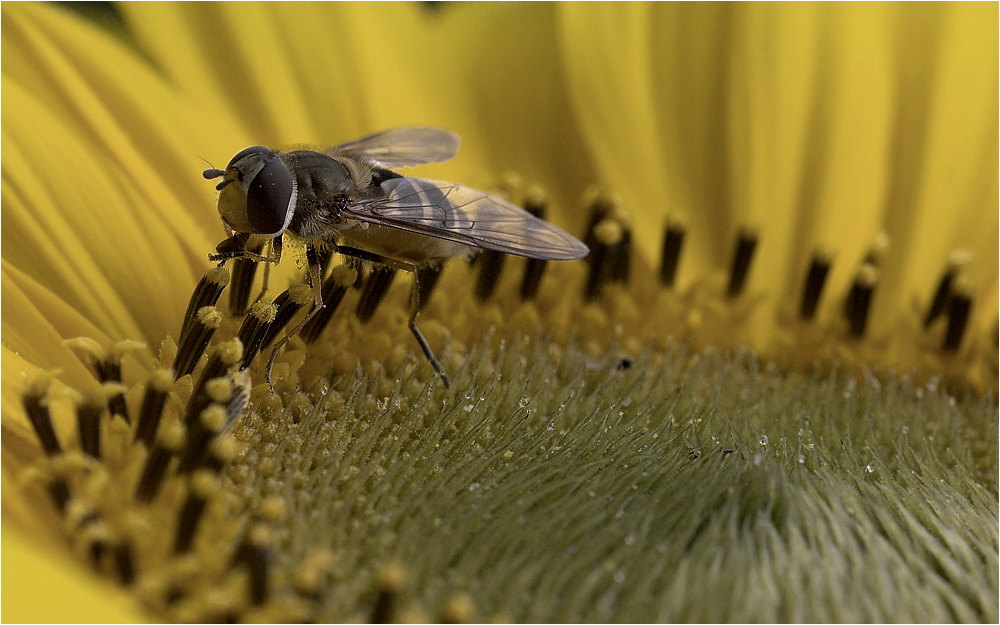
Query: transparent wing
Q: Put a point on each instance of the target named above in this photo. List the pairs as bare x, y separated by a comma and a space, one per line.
451, 211
406, 146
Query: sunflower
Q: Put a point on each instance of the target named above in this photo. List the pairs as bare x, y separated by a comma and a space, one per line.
772, 382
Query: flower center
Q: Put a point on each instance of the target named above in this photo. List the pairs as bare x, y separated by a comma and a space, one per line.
356, 486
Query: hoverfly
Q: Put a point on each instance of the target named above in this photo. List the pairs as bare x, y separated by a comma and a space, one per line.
347, 199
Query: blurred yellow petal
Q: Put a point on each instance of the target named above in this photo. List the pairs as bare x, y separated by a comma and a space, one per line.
35, 322
41, 589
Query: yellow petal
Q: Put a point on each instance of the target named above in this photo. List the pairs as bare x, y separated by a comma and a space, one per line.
125, 112
35, 323
41, 586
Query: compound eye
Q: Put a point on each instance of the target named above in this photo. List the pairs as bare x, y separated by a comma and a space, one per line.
268, 198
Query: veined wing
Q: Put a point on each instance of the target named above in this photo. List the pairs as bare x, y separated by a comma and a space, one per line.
451, 211
406, 146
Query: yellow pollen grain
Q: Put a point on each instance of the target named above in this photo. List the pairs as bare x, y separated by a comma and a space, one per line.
459, 608
94, 533
38, 386
204, 483
825, 254
963, 287
209, 316
160, 380
84, 345
77, 511
231, 352
313, 572
100, 395
272, 509
219, 390
261, 536
219, 275
880, 245
172, 435
534, 195
867, 275
70, 462
300, 294
123, 348
392, 577
676, 221
264, 311
959, 258
225, 448
213, 418
608, 231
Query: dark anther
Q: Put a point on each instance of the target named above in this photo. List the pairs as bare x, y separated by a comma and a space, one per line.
534, 269
153, 473
940, 302
98, 547
205, 294
151, 411
205, 322
212, 421
286, 309
190, 516
224, 356
59, 490
428, 276
621, 258
390, 583
601, 209
244, 271
610, 243
110, 370
819, 268
36, 405
254, 553
746, 243
333, 294
253, 330
258, 560
673, 241
859, 298
124, 563
959, 306
376, 286
88, 419
625, 364
490, 267
597, 276
382, 610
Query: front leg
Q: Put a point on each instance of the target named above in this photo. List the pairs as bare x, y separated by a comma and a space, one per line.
235, 247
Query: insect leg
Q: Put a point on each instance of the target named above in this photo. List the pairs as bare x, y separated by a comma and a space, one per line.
316, 282
235, 247
274, 258
393, 263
